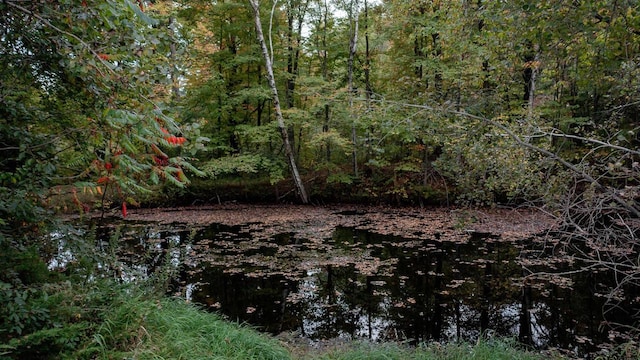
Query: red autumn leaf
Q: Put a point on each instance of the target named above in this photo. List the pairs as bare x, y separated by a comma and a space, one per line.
103, 180
161, 160
103, 56
108, 166
124, 209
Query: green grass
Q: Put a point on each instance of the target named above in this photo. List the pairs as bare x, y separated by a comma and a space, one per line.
491, 349
173, 329
106, 320
176, 330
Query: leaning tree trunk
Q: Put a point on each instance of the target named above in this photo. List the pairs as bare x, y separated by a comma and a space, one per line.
302, 193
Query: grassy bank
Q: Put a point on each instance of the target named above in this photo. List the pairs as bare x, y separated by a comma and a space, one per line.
103, 320
109, 321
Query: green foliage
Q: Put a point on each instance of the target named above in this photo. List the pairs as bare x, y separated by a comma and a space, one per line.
82, 102
47, 343
340, 178
245, 164
23, 266
20, 314
486, 166
94, 89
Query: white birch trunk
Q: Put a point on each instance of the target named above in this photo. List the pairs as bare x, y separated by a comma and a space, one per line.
302, 193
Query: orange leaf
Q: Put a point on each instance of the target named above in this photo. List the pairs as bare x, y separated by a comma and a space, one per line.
124, 209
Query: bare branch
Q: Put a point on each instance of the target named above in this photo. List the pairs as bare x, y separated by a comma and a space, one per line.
594, 141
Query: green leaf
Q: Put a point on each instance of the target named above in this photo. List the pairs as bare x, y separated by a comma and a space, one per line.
154, 178
144, 17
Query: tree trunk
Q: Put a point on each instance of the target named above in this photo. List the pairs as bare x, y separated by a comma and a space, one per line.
325, 76
295, 18
367, 57
352, 54
302, 193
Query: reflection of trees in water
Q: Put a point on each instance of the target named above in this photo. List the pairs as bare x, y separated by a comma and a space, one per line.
432, 290
344, 305
258, 300
138, 251
569, 299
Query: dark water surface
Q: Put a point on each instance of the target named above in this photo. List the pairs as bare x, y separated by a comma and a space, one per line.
359, 284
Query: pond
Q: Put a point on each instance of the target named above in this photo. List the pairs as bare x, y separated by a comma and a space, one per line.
349, 274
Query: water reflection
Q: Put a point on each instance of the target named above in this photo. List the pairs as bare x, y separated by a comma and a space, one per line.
358, 284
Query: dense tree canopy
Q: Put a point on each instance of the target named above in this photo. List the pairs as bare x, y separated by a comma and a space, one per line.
543, 70
404, 102
409, 102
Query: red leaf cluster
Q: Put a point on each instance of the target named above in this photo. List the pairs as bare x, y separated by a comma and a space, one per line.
171, 139
175, 140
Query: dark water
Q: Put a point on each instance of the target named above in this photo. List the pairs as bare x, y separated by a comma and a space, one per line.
359, 284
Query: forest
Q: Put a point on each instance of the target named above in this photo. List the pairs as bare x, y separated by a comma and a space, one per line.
112, 105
